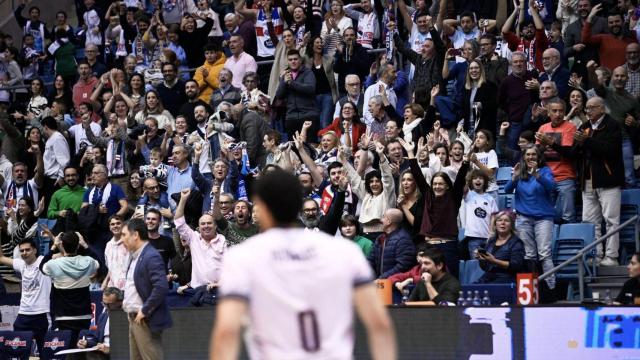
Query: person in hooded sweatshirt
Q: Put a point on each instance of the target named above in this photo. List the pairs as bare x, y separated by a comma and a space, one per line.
70, 274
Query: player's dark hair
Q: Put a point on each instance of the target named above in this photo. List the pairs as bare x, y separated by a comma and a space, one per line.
281, 192
70, 241
138, 225
436, 255
333, 165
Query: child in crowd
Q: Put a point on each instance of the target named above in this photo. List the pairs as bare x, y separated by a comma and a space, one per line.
483, 157
480, 208
156, 168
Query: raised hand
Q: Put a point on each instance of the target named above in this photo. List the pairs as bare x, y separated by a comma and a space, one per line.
504, 127
435, 91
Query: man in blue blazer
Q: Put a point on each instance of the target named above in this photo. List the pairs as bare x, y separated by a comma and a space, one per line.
145, 294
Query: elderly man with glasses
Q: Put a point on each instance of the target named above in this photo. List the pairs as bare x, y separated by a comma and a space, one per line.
109, 199
598, 148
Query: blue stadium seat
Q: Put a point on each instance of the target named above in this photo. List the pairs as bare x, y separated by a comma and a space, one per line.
16, 344
570, 240
502, 177
55, 341
505, 201
629, 207
472, 272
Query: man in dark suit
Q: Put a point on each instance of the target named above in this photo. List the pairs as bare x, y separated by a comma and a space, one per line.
145, 294
112, 300
554, 71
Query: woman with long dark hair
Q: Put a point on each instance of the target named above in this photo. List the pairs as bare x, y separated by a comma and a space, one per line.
33, 138
377, 191
577, 99
534, 185
21, 224
322, 67
437, 224
153, 108
136, 91
61, 91
347, 127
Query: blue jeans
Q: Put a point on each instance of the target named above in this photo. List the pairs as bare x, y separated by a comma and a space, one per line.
536, 236
565, 199
474, 243
627, 157
451, 256
515, 128
325, 105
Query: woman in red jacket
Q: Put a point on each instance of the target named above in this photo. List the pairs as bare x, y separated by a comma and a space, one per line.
349, 120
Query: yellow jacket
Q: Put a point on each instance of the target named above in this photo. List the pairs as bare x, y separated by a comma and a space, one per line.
212, 79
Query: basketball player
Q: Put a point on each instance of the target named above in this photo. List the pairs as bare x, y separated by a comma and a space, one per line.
297, 288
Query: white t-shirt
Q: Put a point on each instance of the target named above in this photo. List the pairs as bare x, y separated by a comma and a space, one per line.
458, 37
478, 211
36, 287
81, 137
300, 293
490, 160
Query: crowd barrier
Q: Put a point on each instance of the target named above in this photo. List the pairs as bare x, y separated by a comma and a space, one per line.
448, 333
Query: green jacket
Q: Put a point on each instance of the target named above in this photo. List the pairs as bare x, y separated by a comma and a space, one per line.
65, 60
365, 244
65, 198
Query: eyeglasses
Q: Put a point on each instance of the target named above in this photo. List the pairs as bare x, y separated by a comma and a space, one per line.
97, 172
591, 107
226, 202
151, 187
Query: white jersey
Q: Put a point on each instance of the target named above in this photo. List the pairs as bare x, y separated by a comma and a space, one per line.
36, 287
299, 293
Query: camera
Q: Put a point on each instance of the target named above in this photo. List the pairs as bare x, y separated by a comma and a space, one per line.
482, 251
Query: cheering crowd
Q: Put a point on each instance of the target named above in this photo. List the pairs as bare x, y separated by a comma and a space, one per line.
394, 117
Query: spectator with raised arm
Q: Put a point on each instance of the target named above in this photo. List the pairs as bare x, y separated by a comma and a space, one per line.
207, 246
611, 45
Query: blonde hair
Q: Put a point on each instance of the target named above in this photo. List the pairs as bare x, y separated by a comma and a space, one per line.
468, 83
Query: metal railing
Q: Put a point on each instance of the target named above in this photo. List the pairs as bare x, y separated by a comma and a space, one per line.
580, 255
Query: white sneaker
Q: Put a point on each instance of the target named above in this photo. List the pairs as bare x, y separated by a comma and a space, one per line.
607, 261
594, 261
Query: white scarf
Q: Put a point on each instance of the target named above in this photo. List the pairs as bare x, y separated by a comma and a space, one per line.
105, 194
407, 128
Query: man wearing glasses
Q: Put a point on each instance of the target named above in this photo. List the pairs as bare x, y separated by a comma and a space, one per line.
109, 199
33, 314
354, 94
598, 146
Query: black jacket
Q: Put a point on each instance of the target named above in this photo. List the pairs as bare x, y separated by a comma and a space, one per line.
486, 95
600, 155
300, 96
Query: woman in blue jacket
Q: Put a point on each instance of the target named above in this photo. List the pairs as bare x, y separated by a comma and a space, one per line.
533, 183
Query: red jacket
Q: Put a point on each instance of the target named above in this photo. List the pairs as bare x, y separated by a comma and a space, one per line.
414, 273
541, 43
358, 129
612, 49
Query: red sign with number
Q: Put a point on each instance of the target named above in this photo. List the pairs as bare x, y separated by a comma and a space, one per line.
527, 285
